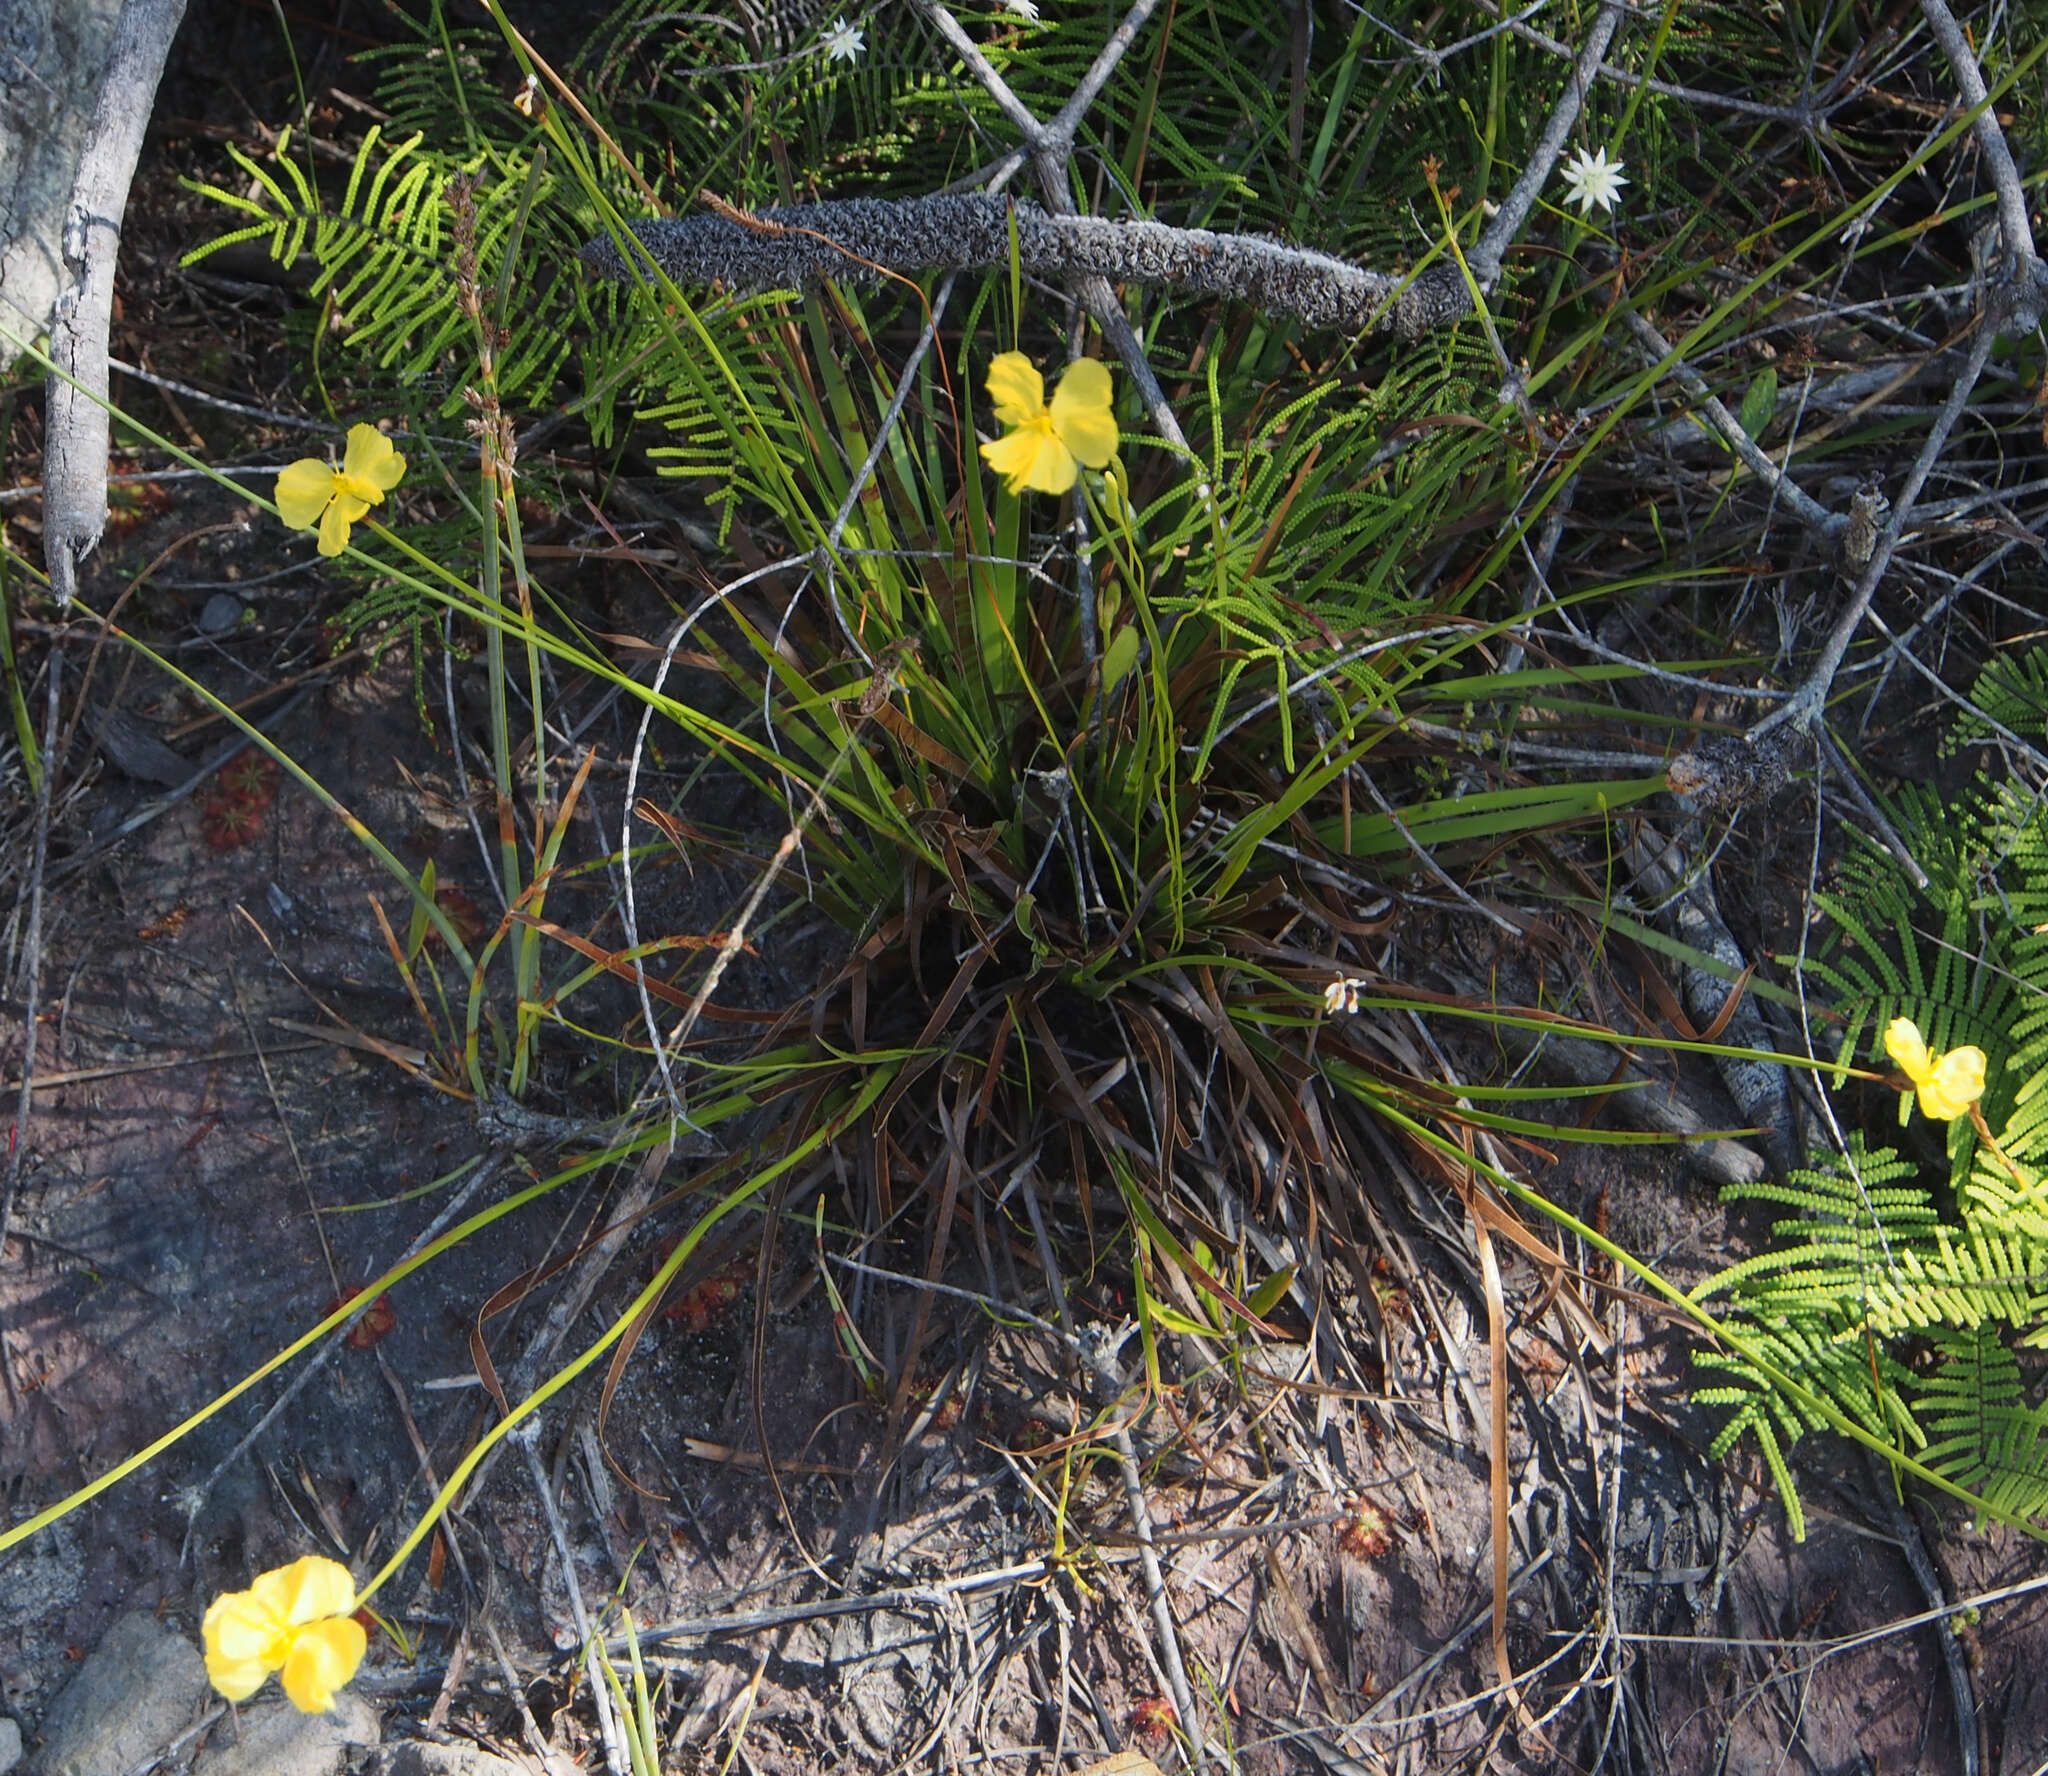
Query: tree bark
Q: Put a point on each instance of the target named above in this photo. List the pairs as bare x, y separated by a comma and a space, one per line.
52, 54
76, 428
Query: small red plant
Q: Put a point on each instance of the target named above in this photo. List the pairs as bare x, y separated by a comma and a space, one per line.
250, 779
1368, 1533
374, 1327
711, 1300
463, 913
1153, 1718
228, 822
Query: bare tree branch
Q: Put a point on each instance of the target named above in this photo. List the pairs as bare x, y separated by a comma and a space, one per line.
1808, 510
1811, 697
1501, 233
1050, 152
2025, 285
795, 247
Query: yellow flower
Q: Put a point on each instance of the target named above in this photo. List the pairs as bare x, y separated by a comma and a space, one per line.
313, 495
1948, 1084
1043, 445
298, 1620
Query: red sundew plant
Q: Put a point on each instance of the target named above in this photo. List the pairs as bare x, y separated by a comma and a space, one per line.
711, 1300
250, 779
463, 913
1153, 1718
1369, 1533
228, 821
373, 1328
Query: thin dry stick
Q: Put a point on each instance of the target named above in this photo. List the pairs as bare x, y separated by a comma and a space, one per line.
1485, 259
1101, 1356
1164, 1628
1811, 697
1808, 115
1906, 1532
1050, 153
1808, 510
2026, 278
630, 910
593, 1655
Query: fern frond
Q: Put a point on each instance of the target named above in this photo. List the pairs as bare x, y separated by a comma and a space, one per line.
1967, 1277
2011, 691
1938, 955
1983, 1432
1855, 1219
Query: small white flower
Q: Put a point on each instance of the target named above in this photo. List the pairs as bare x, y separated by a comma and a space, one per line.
1341, 995
1027, 10
844, 42
1593, 179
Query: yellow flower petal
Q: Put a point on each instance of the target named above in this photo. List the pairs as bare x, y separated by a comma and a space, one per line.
372, 459
246, 1639
334, 529
323, 1657
1908, 1048
236, 1680
303, 490
1015, 388
1081, 413
314, 1587
1032, 457
1955, 1083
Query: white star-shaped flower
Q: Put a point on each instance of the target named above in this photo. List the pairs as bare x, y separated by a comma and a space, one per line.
1027, 10
844, 42
1593, 179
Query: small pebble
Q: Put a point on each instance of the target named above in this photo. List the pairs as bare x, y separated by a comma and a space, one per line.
223, 612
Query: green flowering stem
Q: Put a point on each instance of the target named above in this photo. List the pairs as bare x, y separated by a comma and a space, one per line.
476, 1223
1690, 1309
826, 1132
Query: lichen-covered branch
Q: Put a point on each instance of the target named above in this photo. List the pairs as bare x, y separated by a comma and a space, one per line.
857, 239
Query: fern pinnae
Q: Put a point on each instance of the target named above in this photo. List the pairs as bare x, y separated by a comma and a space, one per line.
1983, 1433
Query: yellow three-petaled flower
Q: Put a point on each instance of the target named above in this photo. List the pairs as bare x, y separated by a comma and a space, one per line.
1948, 1084
313, 495
298, 1621
1042, 444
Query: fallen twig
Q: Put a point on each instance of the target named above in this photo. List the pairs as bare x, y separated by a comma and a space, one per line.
2024, 287
795, 247
1811, 697
1808, 510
